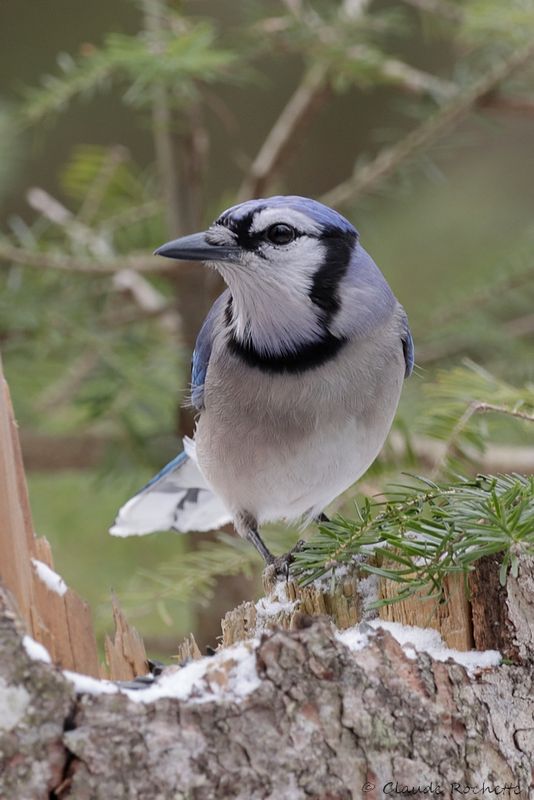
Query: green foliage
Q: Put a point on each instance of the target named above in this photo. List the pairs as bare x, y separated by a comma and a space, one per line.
486, 316
87, 364
78, 375
465, 406
422, 532
349, 43
183, 55
504, 24
121, 183
114, 196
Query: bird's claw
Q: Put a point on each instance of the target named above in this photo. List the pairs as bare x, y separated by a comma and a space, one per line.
281, 565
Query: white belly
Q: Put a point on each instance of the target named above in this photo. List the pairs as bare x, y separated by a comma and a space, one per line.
309, 477
280, 447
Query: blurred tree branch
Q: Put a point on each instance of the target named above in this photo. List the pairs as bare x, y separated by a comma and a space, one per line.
441, 8
162, 122
367, 178
495, 458
475, 407
315, 89
309, 96
38, 259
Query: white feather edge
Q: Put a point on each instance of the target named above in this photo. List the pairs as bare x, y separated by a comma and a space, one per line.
154, 510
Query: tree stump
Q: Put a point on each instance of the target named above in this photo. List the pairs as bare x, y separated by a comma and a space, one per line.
345, 602
293, 716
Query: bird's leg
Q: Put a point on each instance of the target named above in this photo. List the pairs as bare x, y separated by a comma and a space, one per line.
282, 564
247, 527
255, 539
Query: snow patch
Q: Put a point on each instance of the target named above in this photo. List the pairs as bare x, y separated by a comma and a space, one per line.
337, 574
354, 638
85, 684
415, 640
50, 578
472, 660
420, 639
35, 650
229, 675
276, 603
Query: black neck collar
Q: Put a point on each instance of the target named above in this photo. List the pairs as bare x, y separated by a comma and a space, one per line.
306, 357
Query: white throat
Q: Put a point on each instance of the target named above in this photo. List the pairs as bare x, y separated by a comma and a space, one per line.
274, 315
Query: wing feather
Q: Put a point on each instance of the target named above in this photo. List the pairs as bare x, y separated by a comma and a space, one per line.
177, 498
202, 351
408, 348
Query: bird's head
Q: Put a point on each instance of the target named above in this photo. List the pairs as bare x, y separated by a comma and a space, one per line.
284, 259
285, 240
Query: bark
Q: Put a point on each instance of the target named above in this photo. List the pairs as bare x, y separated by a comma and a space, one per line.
324, 722
35, 704
503, 616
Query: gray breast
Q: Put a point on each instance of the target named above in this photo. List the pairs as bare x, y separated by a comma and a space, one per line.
268, 442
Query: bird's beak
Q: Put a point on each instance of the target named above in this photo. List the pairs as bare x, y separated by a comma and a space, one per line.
197, 248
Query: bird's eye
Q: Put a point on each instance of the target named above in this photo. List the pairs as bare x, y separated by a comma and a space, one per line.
281, 234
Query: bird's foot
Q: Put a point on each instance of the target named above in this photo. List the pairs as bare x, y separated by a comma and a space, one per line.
281, 565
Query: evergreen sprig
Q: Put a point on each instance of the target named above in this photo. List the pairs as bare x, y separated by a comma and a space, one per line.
424, 531
177, 62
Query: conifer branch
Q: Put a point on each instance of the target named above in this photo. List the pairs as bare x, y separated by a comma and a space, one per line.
425, 531
366, 179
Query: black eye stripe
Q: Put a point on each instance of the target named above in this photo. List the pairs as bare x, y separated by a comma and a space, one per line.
253, 240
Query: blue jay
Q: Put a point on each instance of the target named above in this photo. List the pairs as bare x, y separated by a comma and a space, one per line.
296, 374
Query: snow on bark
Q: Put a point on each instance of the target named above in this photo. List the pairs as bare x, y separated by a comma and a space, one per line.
49, 577
293, 716
35, 650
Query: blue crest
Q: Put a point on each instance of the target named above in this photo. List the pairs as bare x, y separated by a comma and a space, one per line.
319, 213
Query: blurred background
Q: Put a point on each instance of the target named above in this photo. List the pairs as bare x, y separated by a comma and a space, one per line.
124, 124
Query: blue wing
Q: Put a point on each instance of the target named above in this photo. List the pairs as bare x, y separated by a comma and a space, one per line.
202, 351
408, 348
177, 499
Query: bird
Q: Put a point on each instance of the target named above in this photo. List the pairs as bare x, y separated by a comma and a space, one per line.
296, 375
